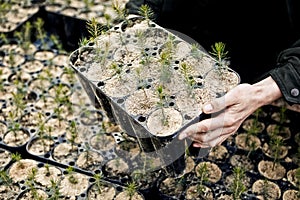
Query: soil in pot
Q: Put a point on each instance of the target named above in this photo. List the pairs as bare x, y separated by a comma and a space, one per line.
40, 146
46, 174
264, 189
172, 187
73, 184
116, 168
193, 192
5, 158
291, 195
89, 160
101, 191
247, 142
16, 138
20, 170
65, 153
102, 142
252, 125
240, 160
218, 153
214, 173
275, 130
271, 170
33, 193
125, 195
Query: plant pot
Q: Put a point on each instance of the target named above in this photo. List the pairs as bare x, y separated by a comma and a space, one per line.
73, 184
103, 190
218, 154
281, 152
193, 192
253, 126
16, 15
16, 138
172, 188
65, 153
125, 196
271, 170
46, 174
247, 142
40, 146
116, 168
129, 76
89, 160
21, 169
290, 195
242, 160
279, 131
266, 189
5, 158
292, 177
32, 193
214, 173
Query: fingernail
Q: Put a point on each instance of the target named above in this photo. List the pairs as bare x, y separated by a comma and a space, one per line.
207, 108
182, 136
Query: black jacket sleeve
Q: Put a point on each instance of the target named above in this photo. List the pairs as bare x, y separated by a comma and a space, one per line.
287, 73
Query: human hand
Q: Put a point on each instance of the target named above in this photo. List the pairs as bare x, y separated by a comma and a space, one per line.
228, 112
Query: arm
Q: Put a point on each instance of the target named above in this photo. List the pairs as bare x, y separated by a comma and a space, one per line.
287, 74
234, 107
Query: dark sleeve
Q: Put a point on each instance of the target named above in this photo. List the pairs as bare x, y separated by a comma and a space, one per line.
287, 73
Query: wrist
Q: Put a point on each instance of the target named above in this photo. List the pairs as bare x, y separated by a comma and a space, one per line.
266, 91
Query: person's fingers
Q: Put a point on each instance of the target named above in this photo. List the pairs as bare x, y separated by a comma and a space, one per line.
221, 103
206, 125
209, 137
212, 143
214, 106
200, 145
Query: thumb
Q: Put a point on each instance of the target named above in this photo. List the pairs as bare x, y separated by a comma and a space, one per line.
215, 105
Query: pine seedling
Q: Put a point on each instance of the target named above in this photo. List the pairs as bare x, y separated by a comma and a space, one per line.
5, 7
185, 69
74, 132
57, 43
121, 11
266, 189
165, 60
195, 50
219, 52
83, 42
94, 28
98, 181
131, 189
203, 178
16, 157
276, 144
54, 190
108, 20
5, 178
27, 36
147, 12
88, 4
117, 69
4, 38
70, 171
162, 97
282, 114
41, 34
238, 187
